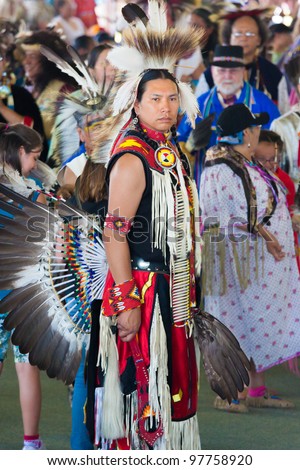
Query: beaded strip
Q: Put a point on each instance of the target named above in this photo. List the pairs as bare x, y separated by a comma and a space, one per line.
117, 223
120, 298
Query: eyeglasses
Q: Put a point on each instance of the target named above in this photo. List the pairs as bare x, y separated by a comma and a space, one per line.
247, 34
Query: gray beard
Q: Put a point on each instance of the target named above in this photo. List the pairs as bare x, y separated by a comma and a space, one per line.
229, 90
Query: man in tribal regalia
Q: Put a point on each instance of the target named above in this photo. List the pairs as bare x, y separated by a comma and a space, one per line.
147, 372
148, 392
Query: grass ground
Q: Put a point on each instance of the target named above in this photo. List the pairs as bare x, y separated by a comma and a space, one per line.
260, 429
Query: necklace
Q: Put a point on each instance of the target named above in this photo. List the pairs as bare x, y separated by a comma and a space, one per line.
165, 157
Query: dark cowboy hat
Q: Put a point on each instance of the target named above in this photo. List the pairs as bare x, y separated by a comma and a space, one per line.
228, 56
280, 28
238, 117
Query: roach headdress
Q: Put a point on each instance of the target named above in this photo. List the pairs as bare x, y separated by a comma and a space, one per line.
150, 44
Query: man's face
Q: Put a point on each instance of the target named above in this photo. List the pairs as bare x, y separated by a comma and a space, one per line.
228, 80
158, 108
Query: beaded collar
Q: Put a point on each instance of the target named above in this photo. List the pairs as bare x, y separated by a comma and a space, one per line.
164, 155
156, 135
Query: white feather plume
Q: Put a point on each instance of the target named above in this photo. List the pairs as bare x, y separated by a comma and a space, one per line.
127, 58
125, 95
157, 12
188, 102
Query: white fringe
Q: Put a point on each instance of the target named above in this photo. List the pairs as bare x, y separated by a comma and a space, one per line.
159, 392
187, 239
163, 213
112, 426
185, 435
98, 413
104, 335
99, 441
198, 238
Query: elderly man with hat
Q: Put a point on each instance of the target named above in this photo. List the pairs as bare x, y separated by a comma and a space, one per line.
244, 26
230, 88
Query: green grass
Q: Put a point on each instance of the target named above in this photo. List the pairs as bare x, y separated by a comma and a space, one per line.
55, 426
260, 429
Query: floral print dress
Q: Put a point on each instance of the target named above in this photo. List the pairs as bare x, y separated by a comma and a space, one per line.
264, 312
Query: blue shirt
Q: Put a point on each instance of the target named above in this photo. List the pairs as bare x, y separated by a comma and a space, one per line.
209, 103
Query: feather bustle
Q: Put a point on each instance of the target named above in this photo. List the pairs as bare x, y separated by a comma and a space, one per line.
225, 364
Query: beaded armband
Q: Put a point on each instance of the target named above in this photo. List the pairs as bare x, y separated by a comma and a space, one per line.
117, 223
121, 297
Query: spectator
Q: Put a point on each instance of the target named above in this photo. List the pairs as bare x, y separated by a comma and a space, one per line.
86, 12
190, 66
89, 195
280, 41
17, 105
288, 125
46, 80
70, 25
20, 148
206, 19
269, 154
251, 280
99, 65
83, 45
247, 29
230, 88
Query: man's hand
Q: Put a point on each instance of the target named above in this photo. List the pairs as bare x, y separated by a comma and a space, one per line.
128, 324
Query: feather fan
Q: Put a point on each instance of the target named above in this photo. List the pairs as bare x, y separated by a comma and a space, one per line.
55, 270
225, 364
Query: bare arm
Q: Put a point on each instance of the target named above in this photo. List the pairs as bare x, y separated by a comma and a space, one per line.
11, 116
126, 187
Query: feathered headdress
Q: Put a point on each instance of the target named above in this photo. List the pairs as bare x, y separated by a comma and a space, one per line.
150, 44
72, 108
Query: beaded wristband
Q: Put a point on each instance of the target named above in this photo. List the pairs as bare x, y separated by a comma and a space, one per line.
120, 297
117, 223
